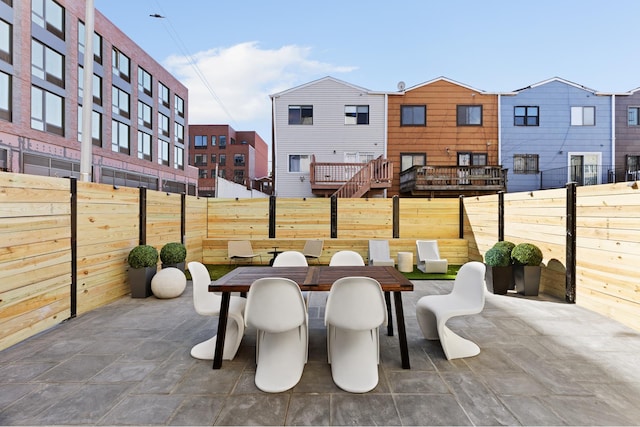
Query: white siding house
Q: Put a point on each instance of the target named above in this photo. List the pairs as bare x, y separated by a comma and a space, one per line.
330, 119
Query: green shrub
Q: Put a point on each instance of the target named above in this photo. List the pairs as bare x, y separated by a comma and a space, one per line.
506, 244
143, 256
526, 254
498, 256
173, 253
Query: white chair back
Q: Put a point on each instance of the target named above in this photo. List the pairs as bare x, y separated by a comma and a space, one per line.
290, 259
469, 284
275, 304
239, 248
204, 302
356, 303
427, 249
379, 253
344, 258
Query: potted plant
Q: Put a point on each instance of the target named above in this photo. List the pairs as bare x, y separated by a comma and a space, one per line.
499, 274
173, 254
143, 260
526, 258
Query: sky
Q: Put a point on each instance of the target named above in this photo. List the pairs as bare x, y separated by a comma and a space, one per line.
232, 55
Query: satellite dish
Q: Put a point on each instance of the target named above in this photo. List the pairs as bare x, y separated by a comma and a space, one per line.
401, 85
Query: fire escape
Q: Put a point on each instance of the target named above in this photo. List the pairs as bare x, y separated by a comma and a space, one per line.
350, 179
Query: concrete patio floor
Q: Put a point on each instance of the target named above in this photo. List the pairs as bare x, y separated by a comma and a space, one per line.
543, 362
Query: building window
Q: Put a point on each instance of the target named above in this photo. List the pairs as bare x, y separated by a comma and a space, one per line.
213, 159
213, 140
144, 115
120, 137
47, 64
223, 159
96, 127
202, 173
526, 116
163, 124
200, 141
178, 160
163, 94
633, 116
6, 42
469, 115
96, 87
408, 160
525, 163
238, 176
300, 114
120, 102
222, 173
179, 107
47, 111
144, 145
222, 142
238, 159
5, 97
583, 116
356, 114
163, 152
233, 141
200, 160
49, 15
97, 43
633, 167
179, 133
144, 81
299, 163
413, 115
121, 65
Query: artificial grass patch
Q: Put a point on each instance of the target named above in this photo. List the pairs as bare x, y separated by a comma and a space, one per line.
218, 270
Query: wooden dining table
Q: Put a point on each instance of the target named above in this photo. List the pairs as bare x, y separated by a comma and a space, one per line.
314, 278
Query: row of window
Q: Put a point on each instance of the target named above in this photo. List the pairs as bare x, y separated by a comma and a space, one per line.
238, 174
466, 115
201, 141
201, 159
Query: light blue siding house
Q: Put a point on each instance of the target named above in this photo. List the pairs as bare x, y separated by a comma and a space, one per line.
554, 132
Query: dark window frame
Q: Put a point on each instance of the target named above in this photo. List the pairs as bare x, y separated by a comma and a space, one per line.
528, 118
416, 116
463, 117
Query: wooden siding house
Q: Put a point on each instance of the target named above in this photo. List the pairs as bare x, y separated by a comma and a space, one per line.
627, 125
554, 132
443, 137
324, 133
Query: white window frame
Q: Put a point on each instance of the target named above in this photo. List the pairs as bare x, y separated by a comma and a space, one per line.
303, 163
583, 116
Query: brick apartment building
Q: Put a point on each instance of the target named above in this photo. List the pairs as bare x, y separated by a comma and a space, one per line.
139, 110
238, 156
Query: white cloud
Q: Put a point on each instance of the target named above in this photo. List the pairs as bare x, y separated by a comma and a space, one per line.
232, 84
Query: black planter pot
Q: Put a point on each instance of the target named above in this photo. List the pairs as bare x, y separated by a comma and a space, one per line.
499, 279
527, 279
179, 266
140, 281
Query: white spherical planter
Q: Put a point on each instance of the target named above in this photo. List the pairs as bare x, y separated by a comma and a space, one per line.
168, 283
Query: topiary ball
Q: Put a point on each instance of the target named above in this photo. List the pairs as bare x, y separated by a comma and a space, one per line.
173, 253
498, 256
143, 256
526, 254
506, 244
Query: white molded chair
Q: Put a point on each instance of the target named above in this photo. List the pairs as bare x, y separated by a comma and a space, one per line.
429, 260
241, 250
379, 253
208, 304
290, 259
275, 307
346, 258
467, 297
313, 249
354, 312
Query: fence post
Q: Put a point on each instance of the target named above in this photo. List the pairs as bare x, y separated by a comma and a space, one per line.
396, 216
183, 218
500, 216
461, 217
570, 284
142, 237
334, 217
73, 183
272, 217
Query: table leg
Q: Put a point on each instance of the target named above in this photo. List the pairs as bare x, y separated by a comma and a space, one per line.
222, 329
387, 300
402, 332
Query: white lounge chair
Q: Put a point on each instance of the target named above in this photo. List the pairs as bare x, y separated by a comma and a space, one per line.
467, 297
241, 250
379, 253
354, 312
275, 307
208, 304
429, 260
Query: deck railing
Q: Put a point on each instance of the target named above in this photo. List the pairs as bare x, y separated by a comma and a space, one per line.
426, 178
351, 178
